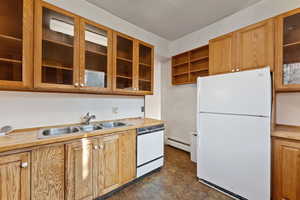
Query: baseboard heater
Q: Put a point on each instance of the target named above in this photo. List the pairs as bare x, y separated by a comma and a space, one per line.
178, 144
235, 196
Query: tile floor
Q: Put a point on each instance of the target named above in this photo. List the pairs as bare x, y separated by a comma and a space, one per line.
175, 181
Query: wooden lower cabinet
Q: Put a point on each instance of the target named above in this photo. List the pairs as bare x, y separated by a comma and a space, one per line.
106, 165
79, 184
114, 161
15, 177
127, 151
48, 173
286, 169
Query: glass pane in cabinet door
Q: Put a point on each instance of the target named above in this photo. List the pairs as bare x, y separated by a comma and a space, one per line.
96, 58
58, 48
11, 35
291, 50
145, 68
124, 76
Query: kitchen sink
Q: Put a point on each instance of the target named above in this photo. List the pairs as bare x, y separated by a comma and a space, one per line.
51, 132
112, 124
58, 131
87, 128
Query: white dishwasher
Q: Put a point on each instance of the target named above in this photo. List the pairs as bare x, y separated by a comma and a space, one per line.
150, 149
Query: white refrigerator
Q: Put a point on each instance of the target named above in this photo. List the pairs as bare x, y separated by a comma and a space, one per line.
234, 140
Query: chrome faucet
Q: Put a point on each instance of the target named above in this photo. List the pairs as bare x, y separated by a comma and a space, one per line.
87, 118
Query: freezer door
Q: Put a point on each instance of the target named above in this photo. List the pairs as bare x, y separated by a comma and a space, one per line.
247, 92
234, 153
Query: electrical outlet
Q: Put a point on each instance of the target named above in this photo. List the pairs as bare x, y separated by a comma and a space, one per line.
115, 110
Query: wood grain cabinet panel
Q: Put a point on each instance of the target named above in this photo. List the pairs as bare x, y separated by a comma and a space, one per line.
15, 177
127, 151
255, 46
79, 170
286, 170
221, 54
106, 165
48, 171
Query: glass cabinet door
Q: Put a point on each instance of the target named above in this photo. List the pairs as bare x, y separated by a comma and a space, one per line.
124, 63
15, 43
58, 36
145, 67
96, 49
291, 50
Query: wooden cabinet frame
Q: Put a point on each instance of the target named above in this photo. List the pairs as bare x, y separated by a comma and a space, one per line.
144, 92
230, 59
279, 54
135, 68
82, 56
38, 48
27, 51
268, 46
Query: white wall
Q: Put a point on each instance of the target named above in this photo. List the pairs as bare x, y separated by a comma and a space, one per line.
181, 120
27, 109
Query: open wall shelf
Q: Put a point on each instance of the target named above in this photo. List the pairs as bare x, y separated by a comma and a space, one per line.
188, 66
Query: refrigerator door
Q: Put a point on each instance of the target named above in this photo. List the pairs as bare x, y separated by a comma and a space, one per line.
247, 93
234, 153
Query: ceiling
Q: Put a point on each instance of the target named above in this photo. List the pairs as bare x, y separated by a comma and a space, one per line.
172, 19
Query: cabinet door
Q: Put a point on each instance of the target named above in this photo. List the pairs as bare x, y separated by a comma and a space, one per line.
106, 165
48, 173
79, 170
255, 46
221, 54
16, 39
145, 68
127, 153
125, 55
15, 177
286, 184
96, 57
56, 48
287, 51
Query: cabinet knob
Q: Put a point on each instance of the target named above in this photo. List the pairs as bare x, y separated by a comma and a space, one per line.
237, 69
24, 165
101, 146
96, 147
232, 70
81, 85
76, 84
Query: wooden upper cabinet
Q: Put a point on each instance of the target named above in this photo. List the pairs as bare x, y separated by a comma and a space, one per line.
56, 48
221, 54
288, 51
286, 170
145, 68
15, 177
95, 57
79, 170
125, 58
255, 46
16, 39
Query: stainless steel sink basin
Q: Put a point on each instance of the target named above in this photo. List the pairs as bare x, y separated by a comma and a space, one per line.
87, 128
112, 124
51, 132
58, 131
